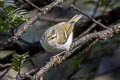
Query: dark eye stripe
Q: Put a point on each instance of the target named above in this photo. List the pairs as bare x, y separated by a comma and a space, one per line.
52, 37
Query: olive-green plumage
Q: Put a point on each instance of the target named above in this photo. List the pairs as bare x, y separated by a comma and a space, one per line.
60, 35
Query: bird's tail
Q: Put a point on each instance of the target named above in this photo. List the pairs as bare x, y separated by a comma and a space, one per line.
76, 18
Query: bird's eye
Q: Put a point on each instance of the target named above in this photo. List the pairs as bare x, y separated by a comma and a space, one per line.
52, 38
51, 35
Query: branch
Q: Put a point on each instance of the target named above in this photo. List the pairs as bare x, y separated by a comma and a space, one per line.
47, 8
88, 30
107, 19
84, 13
8, 69
29, 23
4, 66
59, 58
33, 5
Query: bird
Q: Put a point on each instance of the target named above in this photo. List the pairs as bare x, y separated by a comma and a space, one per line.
59, 37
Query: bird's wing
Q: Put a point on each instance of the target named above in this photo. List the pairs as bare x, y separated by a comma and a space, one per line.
63, 31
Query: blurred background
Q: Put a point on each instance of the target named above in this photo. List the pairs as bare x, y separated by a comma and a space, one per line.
102, 59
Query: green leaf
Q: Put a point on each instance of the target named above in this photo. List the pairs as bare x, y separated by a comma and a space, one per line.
10, 16
18, 61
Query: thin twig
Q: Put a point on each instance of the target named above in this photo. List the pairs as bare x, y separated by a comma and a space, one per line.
84, 13
64, 55
5, 73
83, 59
33, 5
32, 63
100, 35
5, 65
32, 20
88, 30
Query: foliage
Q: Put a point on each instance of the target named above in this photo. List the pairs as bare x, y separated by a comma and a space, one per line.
10, 15
18, 60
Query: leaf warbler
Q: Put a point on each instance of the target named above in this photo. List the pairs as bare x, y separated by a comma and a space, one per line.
59, 37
